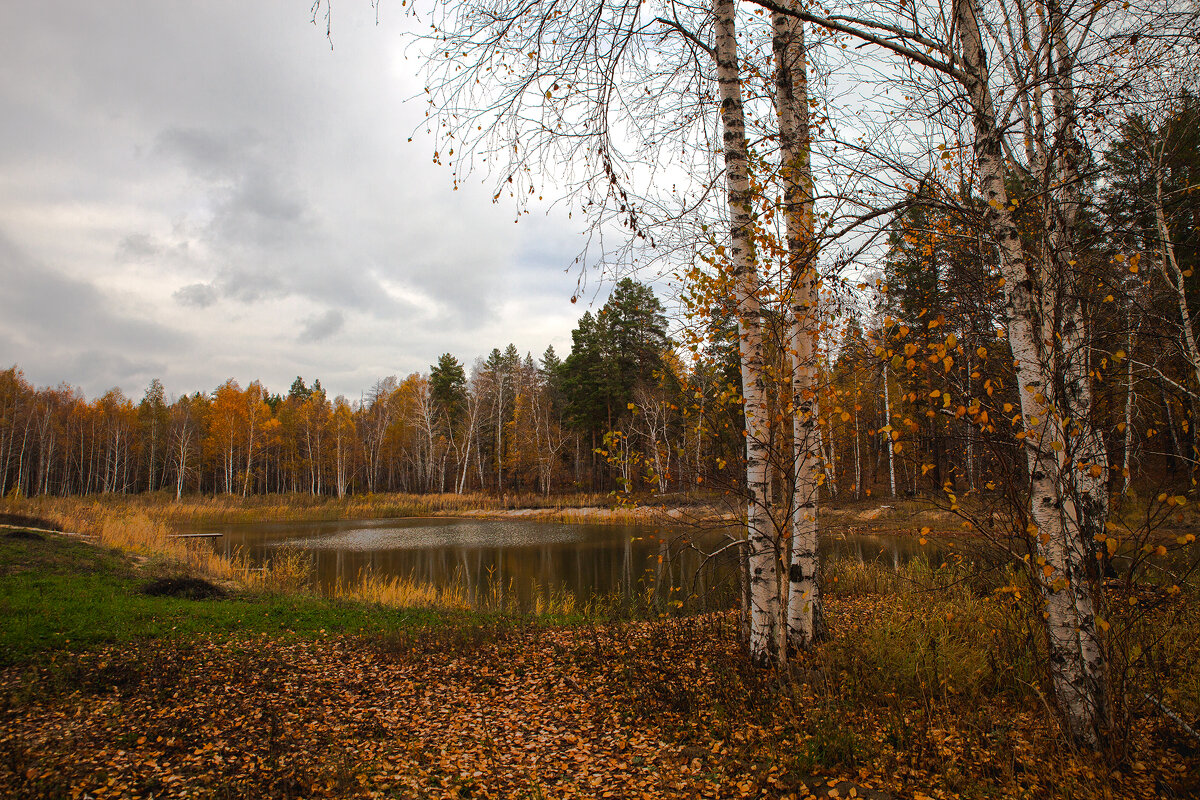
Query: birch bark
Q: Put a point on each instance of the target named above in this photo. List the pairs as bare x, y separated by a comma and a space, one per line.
1087, 457
887, 418
1127, 431
795, 138
761, 547
1076, 662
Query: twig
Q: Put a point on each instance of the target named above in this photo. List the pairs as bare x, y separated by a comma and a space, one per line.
1171, 715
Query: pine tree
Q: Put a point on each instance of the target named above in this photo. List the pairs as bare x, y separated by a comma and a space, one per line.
448, 386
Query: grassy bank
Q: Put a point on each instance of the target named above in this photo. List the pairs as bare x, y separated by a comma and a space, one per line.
59, 594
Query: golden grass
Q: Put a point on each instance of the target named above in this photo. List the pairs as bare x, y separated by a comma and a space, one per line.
456, 594
140, 535
579, 507
403, 592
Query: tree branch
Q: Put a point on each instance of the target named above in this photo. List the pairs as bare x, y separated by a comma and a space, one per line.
840, 24
691, 37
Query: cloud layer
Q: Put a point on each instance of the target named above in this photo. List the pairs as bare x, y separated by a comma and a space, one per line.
203, 191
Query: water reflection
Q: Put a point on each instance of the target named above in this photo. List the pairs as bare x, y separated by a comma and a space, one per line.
521, 558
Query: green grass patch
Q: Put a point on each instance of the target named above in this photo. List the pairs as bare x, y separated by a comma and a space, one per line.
59, 594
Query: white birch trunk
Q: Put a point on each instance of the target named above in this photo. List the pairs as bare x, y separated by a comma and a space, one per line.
887, 415
1087, 457
791, 102
970, 428
1127, 443
857, 449
181, 464
1064, 585
761, 546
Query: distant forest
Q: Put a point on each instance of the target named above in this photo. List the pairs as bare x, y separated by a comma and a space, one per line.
916, 395
612, 414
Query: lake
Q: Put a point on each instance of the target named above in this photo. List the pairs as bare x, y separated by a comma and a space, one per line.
521, 557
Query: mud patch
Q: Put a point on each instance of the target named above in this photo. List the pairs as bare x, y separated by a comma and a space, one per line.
186, 588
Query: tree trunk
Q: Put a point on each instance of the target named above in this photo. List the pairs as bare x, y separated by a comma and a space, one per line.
887, 418
760, 543
1076, 661
795, 137
1127, 441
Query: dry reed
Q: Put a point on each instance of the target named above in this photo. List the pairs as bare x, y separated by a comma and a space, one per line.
404, 592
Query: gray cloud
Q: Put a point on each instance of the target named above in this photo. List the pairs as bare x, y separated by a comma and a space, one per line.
253, 198
73, 328
165, 170
196, 295
210, 154
322, 326
45, 303
272, 241
138, 247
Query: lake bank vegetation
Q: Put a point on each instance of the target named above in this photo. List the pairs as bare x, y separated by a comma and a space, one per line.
928, 686
305, 507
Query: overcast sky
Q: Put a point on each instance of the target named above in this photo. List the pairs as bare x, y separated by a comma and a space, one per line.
203, 191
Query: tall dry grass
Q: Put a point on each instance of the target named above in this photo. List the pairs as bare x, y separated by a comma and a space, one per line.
135, 533
294, 507
403, 592
492, 596
192, 510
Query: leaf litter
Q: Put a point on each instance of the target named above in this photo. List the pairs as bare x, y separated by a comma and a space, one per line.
663, 709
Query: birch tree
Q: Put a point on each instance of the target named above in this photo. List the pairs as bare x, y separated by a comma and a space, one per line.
762, 551
599, 94
1047, 330
792, 111
182, 438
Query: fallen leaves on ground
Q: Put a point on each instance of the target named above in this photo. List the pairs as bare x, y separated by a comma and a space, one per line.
637, 710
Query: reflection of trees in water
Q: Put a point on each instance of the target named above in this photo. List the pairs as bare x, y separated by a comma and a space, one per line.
631, 569
626, 565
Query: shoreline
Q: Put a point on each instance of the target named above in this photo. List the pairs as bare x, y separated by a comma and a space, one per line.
601, 515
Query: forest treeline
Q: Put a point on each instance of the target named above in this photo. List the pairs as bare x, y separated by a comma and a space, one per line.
612, 413
917, 386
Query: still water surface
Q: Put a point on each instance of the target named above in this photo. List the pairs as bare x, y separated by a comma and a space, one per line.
523, 557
